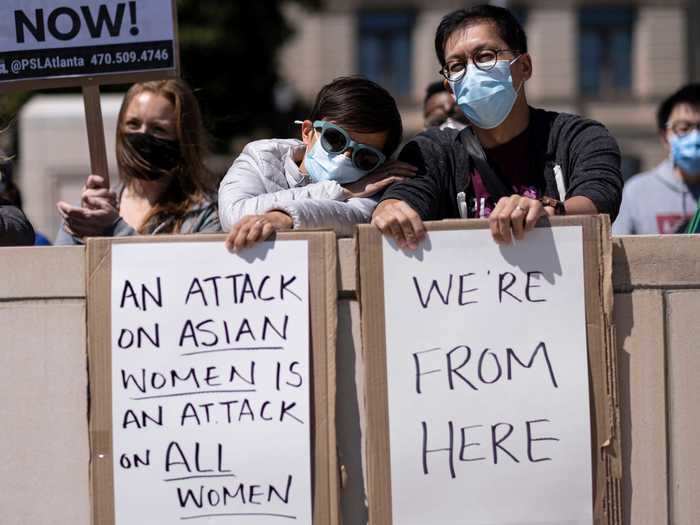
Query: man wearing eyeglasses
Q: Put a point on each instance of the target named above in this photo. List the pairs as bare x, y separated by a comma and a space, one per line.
664, 199
514, 164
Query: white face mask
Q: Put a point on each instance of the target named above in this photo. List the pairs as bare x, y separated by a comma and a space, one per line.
322, 165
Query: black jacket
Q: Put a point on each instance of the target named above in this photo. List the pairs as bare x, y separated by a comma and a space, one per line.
585, 151
15, 229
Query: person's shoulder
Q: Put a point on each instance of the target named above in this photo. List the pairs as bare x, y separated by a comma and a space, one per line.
570, 123
433, 141
646, 180
436, 135
571, 131
271, 148
202, 207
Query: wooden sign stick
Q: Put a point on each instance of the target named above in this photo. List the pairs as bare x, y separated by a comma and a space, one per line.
95, 131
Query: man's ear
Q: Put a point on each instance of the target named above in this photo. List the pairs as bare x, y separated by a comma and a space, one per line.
663, 135
525, 64
307, 132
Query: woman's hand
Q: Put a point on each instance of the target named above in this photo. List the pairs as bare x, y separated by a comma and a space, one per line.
97, 214
380, 179
256, 228
95, 189
513, 216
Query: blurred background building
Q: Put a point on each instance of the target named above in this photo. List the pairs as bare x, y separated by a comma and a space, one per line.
256, 66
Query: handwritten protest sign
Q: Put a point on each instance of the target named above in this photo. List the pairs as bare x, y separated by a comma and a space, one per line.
49, 39
484, 380
210, 373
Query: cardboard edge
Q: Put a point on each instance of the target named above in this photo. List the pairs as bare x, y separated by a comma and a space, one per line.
101, 465
323, 318
605, 442
332, 285
612, 449
376, 441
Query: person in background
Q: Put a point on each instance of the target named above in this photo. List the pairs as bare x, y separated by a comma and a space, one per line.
440, 108
15, 229
330, 178
10, 195
164, 186
663, 200
514, 164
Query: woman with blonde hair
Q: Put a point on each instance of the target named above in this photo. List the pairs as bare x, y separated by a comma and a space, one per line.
164, 186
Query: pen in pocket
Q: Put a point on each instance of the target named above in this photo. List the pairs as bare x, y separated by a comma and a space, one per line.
462, 204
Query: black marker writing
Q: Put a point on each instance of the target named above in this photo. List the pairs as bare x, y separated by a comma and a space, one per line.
65, 23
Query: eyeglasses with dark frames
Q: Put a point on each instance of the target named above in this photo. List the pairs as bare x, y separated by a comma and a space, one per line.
484, 59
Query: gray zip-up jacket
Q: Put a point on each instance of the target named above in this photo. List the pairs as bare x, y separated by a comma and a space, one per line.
265, 177
200, 218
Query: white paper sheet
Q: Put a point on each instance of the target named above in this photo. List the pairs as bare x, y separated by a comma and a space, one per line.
450, 370
234, 444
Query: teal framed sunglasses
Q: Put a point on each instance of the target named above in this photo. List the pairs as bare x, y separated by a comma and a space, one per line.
336, 140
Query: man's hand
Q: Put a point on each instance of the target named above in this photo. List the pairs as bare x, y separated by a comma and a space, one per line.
397, 219
256, 228
97, 214
513, 216
380, 179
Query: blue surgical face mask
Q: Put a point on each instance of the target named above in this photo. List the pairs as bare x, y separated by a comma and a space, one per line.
685, 151
321, 165
486, 97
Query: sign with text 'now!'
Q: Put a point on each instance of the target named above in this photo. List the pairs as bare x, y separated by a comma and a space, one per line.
43, 40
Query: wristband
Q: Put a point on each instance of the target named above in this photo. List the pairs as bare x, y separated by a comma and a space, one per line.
559, 208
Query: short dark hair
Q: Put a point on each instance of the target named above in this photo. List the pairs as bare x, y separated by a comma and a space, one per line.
360, 105
688, 94
434, 89
508, 27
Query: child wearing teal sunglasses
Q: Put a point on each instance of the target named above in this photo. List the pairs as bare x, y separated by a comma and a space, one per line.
331, 178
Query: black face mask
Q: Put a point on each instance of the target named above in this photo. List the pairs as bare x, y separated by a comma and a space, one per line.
162, 154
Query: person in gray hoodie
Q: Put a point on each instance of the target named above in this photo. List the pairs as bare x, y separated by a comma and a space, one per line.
163, 186
663, 199
331, 178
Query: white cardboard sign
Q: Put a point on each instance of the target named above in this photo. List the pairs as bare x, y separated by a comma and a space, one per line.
489, 417
42, 39
210, 384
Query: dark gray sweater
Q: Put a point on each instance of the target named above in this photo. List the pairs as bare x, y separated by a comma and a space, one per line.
583, 149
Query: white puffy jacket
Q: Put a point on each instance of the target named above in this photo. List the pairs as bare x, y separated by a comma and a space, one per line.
265, 177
